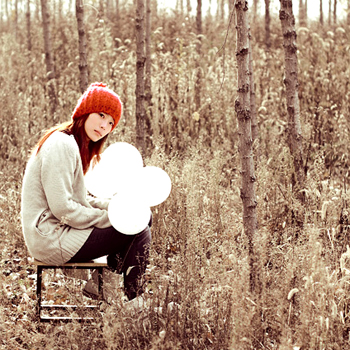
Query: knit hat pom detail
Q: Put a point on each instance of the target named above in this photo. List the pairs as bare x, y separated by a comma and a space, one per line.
99, 98
98, 84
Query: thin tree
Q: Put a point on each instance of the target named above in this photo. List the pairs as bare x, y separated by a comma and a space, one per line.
148, 64
148, 80
116, 24
253, 113
255, 10
117, 11
248, 196
291, 84
108, 9
29, 36
7, 13
301, 13
243, 112
50, 68
230, 7
83, 66
140, 72
321, 13
101, 9
197, 92
267, 25
222, 10
188, 7
329, 12
305, 12
37, 10
335, 12
180, 6
60, 10
1, 19
16, 19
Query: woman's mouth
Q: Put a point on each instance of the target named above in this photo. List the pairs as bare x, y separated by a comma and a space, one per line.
98, 133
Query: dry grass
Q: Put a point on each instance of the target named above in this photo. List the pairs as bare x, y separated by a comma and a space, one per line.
199, 258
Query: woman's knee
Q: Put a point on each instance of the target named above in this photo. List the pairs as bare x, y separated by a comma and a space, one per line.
144, 238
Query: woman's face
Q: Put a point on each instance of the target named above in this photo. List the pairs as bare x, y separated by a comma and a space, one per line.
98, 125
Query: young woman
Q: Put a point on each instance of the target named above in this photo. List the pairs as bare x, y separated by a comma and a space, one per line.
61, 222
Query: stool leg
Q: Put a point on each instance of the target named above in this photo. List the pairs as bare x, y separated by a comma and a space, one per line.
39, 274
100, 282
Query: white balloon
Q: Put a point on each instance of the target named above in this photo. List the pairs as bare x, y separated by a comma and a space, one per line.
121, 171
154, 185
97, 184
117, 163
122, 155
128, 214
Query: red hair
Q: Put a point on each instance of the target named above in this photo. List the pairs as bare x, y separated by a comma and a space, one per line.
89, 150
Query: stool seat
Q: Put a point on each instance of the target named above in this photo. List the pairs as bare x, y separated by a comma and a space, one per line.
93, 263
97, 264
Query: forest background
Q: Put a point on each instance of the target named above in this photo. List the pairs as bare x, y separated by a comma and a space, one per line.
199, 257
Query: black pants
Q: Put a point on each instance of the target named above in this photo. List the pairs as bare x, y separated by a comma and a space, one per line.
127, 254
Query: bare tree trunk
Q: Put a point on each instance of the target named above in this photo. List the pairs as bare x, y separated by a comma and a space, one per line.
335, 13
248, 196
230, 8
267, 25
329, 12
209, 7
83, 66
305, 13
117, 11
222, 11
116, 27
16, 19
50, 69
60, 10
253, 114
242, 108
321, 13
101, 9
197, 93
37, 10
301, 10
29, 36
148, 81
140, 80
154, 4
108, 9
255, 9
291, 83
1, 19
189, 8
7, 13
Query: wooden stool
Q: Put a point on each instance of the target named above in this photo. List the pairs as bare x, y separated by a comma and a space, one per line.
87, 266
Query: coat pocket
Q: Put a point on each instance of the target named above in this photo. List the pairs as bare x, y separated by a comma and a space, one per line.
46, 223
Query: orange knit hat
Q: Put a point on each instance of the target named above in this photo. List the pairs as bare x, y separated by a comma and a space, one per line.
99, 98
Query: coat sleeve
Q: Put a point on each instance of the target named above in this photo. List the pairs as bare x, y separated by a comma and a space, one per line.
100, 203
63, 184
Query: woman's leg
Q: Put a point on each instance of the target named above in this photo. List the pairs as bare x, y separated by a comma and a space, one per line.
126, 254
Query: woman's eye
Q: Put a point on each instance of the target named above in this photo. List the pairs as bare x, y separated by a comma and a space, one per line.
111, 123
102, 115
